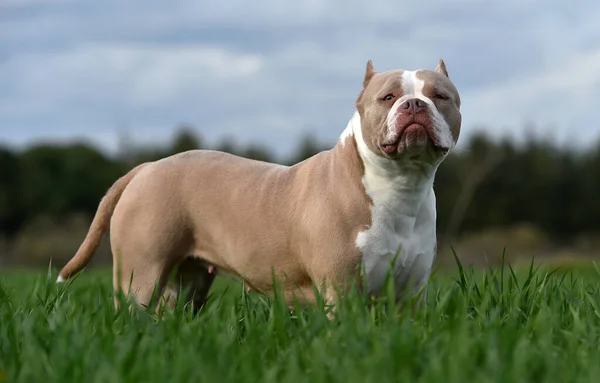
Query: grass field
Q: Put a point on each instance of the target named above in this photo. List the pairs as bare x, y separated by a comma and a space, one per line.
493, 326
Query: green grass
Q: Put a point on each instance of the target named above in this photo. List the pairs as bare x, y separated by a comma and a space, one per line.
492, 326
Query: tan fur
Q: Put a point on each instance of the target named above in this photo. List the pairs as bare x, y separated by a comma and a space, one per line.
450, 108
245, 217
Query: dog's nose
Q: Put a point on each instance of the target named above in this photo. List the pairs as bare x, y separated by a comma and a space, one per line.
414, 105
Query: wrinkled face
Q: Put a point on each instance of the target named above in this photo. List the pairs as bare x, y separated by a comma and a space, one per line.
413, 115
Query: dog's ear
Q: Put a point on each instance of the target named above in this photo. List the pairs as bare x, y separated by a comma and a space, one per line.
441, 68
369, 74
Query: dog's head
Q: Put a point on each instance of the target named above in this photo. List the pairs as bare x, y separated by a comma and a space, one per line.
409, 115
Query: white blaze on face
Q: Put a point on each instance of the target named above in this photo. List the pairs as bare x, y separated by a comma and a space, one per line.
412, 87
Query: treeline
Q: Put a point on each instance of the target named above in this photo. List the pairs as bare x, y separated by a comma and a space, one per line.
487, 184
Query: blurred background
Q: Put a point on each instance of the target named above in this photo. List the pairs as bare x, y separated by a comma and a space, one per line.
89, 89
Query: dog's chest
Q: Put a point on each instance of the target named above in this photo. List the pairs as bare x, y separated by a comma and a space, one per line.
402, 233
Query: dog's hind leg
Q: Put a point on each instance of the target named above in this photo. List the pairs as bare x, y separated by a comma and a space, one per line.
190, 282
143, 264
142, 282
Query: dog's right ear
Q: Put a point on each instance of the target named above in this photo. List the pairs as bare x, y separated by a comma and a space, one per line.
369, 74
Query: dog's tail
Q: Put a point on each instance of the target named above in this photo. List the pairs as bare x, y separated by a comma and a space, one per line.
98, 227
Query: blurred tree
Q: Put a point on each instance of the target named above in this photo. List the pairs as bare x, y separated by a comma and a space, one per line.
309, 146
256, 152
56, 180
484, 157
488, 185
11, 206
228, 145
185, 139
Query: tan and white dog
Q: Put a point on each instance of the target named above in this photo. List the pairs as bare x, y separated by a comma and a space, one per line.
337, 217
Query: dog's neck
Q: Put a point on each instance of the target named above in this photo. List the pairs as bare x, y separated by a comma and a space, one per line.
399, 186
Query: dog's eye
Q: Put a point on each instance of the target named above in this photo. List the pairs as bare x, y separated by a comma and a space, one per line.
388, 97
440, 96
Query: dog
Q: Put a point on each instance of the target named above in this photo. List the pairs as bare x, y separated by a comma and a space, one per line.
337, 218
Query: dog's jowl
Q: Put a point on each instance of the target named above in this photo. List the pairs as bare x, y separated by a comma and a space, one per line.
337, 217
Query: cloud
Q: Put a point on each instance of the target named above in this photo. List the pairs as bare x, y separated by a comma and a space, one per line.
266, 72
561, 101
17, 4
101, 79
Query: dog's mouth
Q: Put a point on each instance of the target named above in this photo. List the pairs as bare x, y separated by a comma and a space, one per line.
411, 134
390, 148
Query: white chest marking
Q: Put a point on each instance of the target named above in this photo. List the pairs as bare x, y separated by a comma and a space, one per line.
403, 219
398, 237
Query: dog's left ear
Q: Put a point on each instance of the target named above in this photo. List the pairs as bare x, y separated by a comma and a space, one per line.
441, 68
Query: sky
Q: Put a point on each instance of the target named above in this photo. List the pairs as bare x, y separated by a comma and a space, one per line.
269, 71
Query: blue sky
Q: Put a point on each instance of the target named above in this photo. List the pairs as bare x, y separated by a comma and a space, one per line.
268, 71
